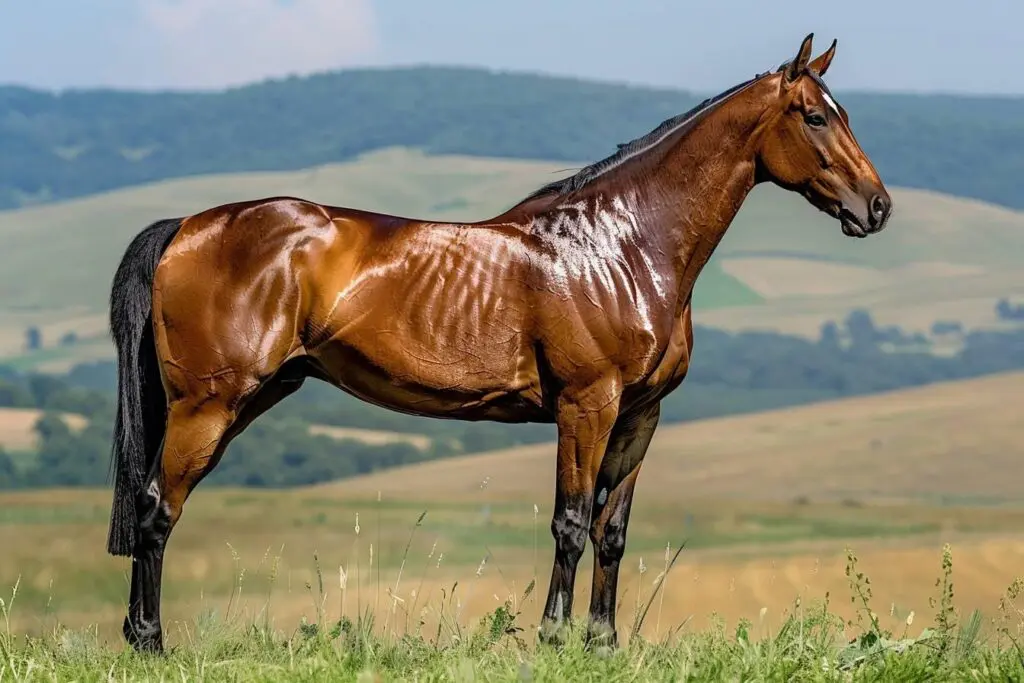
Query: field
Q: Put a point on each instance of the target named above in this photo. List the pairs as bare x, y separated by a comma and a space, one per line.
17, 431
767, 505
17, 425
782, 266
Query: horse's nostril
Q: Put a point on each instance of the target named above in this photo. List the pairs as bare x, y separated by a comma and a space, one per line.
878, 206
878, 211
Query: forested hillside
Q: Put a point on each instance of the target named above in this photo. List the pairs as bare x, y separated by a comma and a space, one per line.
57, 146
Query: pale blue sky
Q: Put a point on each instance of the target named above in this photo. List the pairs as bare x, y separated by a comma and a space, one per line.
909, 45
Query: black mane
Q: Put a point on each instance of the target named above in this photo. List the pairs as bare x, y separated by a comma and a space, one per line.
628, 150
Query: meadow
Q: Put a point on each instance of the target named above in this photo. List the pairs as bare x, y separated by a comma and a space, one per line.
423, 571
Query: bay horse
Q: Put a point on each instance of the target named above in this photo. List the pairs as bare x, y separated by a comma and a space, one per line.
572, 307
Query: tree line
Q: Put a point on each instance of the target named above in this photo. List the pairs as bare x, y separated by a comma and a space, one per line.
730, 373
1007, 311
71, 144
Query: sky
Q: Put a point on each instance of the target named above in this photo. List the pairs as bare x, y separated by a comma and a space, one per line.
884, 45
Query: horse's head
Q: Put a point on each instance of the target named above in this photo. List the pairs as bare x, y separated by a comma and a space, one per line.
808, 147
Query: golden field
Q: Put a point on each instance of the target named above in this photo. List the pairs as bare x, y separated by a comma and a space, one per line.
766, 503
17, 427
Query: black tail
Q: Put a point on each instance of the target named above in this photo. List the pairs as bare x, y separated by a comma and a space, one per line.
141, 403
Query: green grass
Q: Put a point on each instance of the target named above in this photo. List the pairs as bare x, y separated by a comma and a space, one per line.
811, 643
717, 289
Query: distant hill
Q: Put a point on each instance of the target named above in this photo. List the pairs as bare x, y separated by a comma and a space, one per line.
783, 265
71, 144
908, 444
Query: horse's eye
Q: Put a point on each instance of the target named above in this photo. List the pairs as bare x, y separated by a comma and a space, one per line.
815, 120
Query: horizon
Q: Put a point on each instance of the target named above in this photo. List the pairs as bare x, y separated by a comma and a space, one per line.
136, 45
496, 71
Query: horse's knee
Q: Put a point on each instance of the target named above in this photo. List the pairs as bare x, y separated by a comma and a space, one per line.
610, 541
153, 517
570, 532
608, 536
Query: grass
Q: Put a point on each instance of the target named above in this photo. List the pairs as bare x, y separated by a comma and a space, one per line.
428, 637
58, 258
739, 556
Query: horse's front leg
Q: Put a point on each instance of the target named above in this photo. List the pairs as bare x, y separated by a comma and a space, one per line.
610, 515
585, 420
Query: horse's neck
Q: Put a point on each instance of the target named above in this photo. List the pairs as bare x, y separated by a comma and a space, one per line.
690, 192
673, 203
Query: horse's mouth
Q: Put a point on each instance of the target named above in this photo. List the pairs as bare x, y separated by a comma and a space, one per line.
851, 224
849, 221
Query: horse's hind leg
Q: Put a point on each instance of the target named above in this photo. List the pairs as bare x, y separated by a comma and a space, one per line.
198, 433
194, 441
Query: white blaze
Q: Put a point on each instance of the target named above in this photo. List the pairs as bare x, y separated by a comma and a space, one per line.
830, 101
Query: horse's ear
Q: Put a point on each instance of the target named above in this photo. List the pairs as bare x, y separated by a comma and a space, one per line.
822, 61
796, 67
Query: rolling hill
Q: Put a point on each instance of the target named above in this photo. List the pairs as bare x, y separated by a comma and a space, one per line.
951, 443
76, 143
782, 266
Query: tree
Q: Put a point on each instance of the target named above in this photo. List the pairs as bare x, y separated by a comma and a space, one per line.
1007, 311
830, 336
947, 327
14, 396
863, 334
52, 426
8, 472
33, 339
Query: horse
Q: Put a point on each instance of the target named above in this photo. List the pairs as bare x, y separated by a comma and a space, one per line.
572, 307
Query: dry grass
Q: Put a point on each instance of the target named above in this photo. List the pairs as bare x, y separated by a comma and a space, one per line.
781, 278
371, 436
230, 543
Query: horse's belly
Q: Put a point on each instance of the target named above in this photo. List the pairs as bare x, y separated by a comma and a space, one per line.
477, 385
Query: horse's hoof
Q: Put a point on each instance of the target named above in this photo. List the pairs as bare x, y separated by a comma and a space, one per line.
143, 637
552, 633
601, 639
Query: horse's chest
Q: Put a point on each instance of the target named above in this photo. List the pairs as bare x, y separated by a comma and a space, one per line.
673, 366
674, 361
